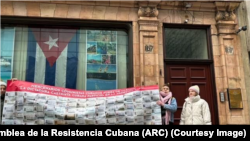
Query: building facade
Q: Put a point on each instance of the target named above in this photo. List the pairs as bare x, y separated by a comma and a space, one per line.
244, 20
98, 45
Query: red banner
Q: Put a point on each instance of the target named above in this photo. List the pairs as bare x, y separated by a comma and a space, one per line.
23, 86
28, 103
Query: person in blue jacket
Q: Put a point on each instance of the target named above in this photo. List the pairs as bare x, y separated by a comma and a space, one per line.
168, 105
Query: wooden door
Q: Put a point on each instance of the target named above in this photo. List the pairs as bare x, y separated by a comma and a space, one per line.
181, 77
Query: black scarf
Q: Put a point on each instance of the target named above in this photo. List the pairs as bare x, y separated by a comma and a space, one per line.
2, 97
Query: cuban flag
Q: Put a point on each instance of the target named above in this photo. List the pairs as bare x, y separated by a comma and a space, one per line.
52, 56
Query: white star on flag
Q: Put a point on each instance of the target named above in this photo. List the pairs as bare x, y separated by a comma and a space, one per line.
51, 42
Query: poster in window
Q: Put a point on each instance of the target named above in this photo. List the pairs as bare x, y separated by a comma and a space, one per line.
94, 58
7, 50
91, 47
101, 60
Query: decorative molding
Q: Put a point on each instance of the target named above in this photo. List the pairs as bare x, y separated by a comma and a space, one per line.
148, 3
148, 25
226, 11
225, 16
148, 12
226, 27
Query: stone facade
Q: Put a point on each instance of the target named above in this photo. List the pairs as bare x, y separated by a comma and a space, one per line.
147, 20
244, 37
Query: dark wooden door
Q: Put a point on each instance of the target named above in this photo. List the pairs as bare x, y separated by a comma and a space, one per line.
181, 77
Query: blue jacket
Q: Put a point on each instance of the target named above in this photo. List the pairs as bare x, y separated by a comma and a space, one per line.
171, 107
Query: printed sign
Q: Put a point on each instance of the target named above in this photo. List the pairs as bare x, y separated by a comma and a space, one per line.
101, 60
29, 103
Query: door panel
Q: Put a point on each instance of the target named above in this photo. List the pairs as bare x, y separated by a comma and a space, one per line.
179, 88
181, 77
197, 73
178, 72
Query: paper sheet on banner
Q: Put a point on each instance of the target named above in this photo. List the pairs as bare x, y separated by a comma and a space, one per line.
35, 104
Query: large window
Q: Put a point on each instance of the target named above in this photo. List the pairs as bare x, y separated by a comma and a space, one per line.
181, 43
7, 49
77, 58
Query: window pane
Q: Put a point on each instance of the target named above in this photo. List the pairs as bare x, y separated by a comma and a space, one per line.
103, 59
7, 49
185, 43
71, 58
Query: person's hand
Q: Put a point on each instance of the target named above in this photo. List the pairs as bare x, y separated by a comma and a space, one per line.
13, 79
160, 103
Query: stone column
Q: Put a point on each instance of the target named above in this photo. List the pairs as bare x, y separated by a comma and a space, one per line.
229, 63
148, 44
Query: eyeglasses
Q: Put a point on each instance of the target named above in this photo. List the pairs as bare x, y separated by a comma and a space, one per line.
166, 88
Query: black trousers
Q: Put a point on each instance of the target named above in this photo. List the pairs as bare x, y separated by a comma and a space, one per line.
171, 123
